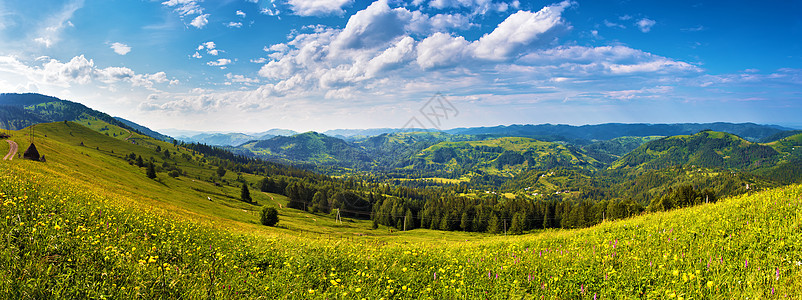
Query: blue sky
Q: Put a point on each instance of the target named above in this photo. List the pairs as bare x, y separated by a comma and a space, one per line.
248, 65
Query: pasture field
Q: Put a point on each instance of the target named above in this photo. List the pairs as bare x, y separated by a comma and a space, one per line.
85, 224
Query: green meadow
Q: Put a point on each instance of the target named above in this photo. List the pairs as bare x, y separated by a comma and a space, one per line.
87, 224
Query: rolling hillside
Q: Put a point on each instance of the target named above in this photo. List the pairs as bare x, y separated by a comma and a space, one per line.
508, 153
18, 111
87, 224
309, 147
706, 149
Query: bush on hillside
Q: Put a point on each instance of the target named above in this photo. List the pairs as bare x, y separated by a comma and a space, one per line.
269, 216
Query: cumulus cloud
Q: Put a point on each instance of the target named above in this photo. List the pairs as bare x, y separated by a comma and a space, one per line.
78, 70
520, 30
441, 50
375, 26
318, 7
200, 21
645, 25
120, 48
234, 24
210, 47
240, 13
382, 47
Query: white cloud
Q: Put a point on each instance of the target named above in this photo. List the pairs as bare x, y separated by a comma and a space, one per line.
200, 21
318, 7
50, 33
476, 6
184, 7
270, 12
120, 48
645, 25
222, 63
240, 13
373, 27
210, 47
235, 78
234, 25
424, 24
605, 60
613, 24
78, 70
391, 58
519, 30
441, 50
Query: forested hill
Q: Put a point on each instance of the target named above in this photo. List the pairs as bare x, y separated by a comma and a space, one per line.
18, 111
708, 149
308, 147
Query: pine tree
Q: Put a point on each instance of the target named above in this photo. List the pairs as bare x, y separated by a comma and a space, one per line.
410, 221
139, 162
245, 194
494, 225
465, 222
221, 171
151, 171
518, 223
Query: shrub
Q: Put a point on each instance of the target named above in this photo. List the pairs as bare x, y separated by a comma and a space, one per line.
269, 216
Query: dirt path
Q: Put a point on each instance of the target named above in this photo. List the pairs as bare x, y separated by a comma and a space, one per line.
12, 150
274, 200
129, 134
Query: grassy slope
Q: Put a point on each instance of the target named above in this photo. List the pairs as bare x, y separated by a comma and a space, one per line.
72, 228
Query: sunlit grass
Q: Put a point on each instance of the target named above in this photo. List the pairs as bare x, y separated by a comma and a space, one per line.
88, 225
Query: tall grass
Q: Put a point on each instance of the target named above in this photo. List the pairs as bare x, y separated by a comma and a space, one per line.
62, 239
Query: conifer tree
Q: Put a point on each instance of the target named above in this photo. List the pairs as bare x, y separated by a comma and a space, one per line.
151, 171
410, 221
465, 222
245, 194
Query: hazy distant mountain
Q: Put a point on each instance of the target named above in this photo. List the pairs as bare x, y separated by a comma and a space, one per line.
357, 133
234, 138
548, 132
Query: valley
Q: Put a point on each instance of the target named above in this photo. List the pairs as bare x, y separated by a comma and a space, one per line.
398, 215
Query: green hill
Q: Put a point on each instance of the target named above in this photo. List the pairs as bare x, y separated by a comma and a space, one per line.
508, 153
87, 224
706, 149
310, 147
19, 111
610, 150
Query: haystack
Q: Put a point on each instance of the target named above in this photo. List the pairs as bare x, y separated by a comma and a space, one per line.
31, 153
